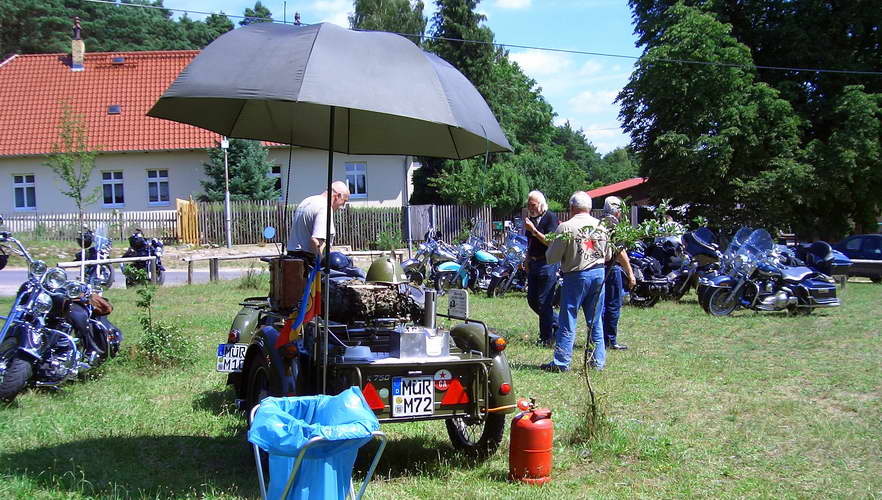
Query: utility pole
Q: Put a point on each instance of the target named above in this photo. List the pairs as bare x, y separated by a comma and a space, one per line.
225, 145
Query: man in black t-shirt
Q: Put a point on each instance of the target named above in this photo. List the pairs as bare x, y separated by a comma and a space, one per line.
541, 276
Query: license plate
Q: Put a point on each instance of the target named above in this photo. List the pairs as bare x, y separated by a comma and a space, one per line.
413, 396
231, 357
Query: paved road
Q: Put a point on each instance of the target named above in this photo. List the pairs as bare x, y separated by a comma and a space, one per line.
11, 279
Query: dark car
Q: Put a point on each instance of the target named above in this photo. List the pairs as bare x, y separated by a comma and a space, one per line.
865, 252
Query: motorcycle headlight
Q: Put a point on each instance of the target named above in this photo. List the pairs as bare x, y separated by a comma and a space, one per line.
43, 303
158, 251
38, 268
75, 290
55, 278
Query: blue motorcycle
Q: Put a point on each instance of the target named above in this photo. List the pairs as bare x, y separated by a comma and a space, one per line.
52, 332
757, 278
510, 274
471, 269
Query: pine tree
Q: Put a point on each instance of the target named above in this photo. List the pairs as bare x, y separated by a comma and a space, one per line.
250, 169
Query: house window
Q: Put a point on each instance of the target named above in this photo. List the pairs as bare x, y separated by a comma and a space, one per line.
157, 187
25, 192
276, 174
356, 177
112, 188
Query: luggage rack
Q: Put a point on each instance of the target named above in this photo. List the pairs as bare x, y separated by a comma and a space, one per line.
381, 436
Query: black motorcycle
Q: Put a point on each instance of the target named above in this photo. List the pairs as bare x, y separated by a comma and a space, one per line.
669, 267
53, 332
141, 246
95, 245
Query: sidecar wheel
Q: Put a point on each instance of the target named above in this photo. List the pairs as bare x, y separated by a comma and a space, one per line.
257, 385
18, 372
476, 438
721, 302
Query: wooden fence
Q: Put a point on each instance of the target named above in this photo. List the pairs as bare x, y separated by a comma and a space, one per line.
117, 224
360, 228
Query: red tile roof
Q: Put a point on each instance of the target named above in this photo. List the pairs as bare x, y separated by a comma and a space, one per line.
615, 188
34, 87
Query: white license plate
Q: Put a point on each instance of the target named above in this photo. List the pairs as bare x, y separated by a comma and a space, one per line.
413, 396
231, 357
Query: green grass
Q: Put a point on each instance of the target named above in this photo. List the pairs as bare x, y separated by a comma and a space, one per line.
756, 405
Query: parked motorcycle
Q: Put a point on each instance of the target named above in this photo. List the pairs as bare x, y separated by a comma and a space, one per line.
510, 273
472, 267
96, 245
725, 265
53, 332
141, 246
433, 259
759, 280
670, 266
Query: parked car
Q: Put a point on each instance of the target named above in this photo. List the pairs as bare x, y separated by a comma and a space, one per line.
865, 252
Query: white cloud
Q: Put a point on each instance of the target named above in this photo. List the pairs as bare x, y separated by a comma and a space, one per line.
590, 68
333, 11
590, 101
512, 4
539, 63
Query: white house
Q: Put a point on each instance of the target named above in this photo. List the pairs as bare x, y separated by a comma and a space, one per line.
144, 163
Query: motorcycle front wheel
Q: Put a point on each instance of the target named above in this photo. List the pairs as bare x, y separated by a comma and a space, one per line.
720, 302
18, 371
498, 286
638, 300
474, 437
444, 282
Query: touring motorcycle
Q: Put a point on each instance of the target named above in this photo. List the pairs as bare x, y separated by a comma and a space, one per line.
757, 278
510, 273
56, 328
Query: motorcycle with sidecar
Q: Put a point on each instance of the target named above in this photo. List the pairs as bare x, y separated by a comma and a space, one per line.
380, 334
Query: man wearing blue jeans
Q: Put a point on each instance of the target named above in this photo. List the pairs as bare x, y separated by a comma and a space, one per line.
581, 247
541, 276
612, 301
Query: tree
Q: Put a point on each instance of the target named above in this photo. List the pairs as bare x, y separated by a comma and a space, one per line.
44, 26
72, 160
617, 165
705, 136
577, 149
249, 167
457, 20
470, 183
394, 16
259, 14
805, 34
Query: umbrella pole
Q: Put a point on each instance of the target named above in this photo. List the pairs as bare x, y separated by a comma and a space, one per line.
326, 289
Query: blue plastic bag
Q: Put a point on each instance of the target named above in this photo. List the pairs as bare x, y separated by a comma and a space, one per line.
282, 426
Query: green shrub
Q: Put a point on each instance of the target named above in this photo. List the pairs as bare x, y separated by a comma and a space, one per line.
254, 279
162, 343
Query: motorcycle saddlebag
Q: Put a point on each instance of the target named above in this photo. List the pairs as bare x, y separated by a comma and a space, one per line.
102, 306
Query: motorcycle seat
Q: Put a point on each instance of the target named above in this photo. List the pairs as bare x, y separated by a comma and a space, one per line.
796, 273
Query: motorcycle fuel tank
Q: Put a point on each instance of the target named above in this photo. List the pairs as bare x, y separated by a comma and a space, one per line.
485, 257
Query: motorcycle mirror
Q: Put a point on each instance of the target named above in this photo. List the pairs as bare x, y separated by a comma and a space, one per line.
269, 232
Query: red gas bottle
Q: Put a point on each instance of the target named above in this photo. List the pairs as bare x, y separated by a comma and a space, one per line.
530, 452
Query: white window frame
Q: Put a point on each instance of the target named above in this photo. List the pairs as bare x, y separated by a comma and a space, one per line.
24, 185
113, 182
158, 180
353, 171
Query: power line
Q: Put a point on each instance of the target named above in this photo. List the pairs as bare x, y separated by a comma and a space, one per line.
548, 49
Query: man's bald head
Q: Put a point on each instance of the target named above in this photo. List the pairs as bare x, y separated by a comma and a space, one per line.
339, 194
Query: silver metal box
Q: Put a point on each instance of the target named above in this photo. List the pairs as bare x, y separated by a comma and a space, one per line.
419, 342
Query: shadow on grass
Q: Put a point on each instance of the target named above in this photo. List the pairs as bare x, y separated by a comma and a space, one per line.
160, 466
183, 466
216, 402
414, 457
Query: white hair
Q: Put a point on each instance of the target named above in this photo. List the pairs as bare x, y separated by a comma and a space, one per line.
612, 204
543, 204
580, 201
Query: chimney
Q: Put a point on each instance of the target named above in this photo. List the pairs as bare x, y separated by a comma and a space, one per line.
77, 48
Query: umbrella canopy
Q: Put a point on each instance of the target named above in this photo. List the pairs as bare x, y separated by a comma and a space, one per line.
280, 83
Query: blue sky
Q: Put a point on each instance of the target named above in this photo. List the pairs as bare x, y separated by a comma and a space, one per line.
581, 88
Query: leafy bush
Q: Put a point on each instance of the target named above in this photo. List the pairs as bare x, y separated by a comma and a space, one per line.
162, 343
389, 238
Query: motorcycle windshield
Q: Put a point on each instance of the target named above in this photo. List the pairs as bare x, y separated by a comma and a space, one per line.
757, 245
100, 236
738, 240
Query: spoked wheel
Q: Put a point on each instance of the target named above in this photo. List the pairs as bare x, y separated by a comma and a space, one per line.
415, 278
498, 286
444, 282
477, 438
18, 371
105, 275
720, 302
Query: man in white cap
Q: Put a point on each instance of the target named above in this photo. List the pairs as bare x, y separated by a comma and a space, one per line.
612, 302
